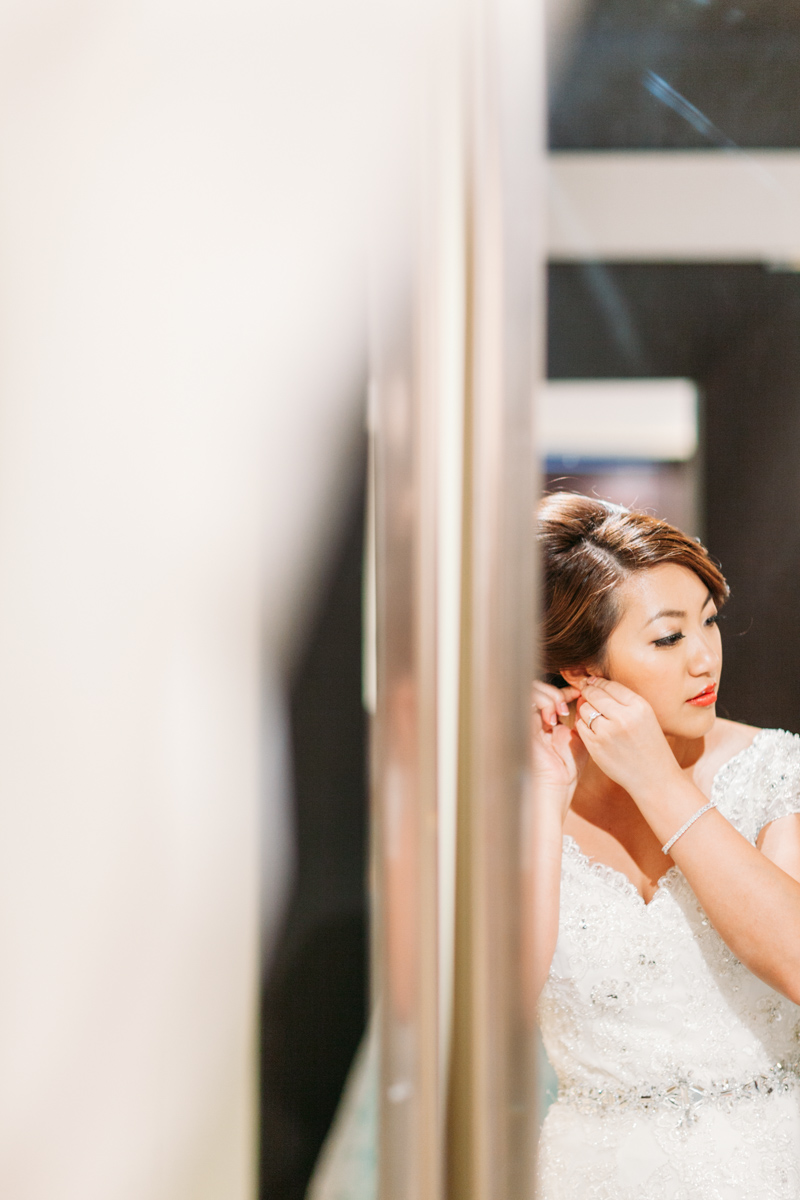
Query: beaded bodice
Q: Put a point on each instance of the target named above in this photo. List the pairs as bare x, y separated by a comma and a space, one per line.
649, 994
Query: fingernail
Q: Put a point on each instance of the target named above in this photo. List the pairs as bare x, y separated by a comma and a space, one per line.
563, 708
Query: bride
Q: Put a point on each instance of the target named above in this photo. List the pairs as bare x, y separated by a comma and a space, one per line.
668, 902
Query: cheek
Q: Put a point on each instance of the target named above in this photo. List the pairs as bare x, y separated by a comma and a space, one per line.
640, 672
658, 682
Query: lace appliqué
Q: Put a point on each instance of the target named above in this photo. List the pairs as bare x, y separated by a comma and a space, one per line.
650, 992
762, 784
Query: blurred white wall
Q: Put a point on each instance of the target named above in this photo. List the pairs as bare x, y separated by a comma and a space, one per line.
651, 419
675, 206
182, 320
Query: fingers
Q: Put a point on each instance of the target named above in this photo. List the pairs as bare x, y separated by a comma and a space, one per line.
547, 702
596, 701
551, 702
537, 720
547, 691
586, 735
591, 716
546, 714
617, 691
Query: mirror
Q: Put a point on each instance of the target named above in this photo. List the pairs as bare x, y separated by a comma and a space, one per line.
673, 311
673, 197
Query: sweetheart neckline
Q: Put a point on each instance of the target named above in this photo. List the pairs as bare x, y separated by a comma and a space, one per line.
618, 879
622, 882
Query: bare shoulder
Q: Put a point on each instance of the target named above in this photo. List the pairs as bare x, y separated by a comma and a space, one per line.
730, 737
725, 741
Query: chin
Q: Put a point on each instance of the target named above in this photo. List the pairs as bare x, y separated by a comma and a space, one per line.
700, 721
694, 724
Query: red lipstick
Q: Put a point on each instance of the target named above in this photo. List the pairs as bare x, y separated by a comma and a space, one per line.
706, 698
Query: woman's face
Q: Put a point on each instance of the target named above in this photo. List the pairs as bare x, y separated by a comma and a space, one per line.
667, 647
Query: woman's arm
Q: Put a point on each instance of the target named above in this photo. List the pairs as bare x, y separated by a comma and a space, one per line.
557, 758
752, 902
751, 896
541, 887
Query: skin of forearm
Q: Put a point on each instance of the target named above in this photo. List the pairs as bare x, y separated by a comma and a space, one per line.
542, 889
752, 904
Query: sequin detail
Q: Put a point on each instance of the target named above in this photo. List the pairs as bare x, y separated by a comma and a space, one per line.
684, 1096
649, 992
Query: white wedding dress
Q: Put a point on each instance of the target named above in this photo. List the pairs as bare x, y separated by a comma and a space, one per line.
679, 1070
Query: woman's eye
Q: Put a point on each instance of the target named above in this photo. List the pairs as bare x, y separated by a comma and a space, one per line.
670, 640
673, 638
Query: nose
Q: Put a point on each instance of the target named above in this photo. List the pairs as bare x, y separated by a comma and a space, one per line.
705, 658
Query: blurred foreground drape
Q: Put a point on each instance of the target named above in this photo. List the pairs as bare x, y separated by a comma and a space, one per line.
182, 312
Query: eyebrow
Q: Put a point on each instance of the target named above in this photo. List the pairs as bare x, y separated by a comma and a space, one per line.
677, 612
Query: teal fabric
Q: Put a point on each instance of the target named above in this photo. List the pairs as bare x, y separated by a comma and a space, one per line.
348, 1165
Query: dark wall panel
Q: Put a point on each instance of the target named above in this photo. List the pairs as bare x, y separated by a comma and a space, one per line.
315, 999
735, 329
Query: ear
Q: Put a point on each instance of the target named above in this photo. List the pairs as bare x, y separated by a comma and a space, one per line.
576, 676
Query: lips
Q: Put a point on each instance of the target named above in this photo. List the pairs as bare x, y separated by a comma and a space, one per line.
706, 698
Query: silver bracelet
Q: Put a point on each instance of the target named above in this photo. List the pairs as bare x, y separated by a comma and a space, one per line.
666, 849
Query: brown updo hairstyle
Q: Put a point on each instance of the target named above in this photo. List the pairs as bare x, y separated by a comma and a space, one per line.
589, 547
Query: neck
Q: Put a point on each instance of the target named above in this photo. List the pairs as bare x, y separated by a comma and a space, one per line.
686, 750
596, 791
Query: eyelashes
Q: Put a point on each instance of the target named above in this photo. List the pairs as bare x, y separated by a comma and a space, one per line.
672, 639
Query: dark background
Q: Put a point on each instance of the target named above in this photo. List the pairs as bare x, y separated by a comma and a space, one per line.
314, 1000
724, 75
735, 329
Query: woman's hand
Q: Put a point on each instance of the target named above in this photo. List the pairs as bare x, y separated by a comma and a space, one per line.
624, 738
558, 753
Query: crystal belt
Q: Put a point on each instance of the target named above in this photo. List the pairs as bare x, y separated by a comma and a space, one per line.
683, 1096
